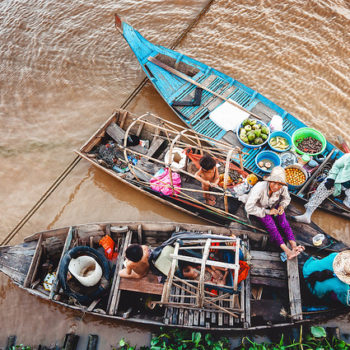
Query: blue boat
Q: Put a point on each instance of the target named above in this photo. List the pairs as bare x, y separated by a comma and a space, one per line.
196, 93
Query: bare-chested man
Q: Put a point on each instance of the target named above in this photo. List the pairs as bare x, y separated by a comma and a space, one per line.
137, 264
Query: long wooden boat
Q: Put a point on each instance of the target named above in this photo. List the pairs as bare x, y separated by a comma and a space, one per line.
137, 166
196, 93
268, 295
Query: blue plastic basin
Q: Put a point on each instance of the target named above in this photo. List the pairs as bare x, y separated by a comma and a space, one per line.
268, 155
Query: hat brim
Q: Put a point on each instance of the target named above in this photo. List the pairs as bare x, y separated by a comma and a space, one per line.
267, 178
338, 266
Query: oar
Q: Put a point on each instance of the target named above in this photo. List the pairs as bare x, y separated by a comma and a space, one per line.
187, 78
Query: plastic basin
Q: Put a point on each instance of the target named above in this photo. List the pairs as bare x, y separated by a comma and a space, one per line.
267, 155
247, 144
303, 133
298, 166
280, 134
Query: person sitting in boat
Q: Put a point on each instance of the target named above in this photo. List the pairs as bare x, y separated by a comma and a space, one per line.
329, 278
208, 175
211, 274
267, 201
338, 180
137, 264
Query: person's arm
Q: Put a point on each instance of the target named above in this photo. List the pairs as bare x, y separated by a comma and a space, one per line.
285, 200
216, 176
198, 176
336, 168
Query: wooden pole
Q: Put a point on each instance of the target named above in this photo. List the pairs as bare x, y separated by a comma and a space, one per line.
187, 78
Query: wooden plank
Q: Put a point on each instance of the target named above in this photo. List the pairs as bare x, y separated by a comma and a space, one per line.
148, 284
67, 244
275, 265
257, 271
165, 296
175, 309
199, 261
116, 132
266, 281
34, 264
155, 145
202, 318
294, 289
269, 256
181, 311
236, 270
247, 299
200, 295
115, 292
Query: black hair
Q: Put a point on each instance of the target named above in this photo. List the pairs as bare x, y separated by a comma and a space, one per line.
319, 276
207, 162
134, 252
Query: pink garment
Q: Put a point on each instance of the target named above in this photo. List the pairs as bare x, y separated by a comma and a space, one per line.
161, 183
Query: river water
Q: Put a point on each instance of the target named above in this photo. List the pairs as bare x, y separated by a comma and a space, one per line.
63, 70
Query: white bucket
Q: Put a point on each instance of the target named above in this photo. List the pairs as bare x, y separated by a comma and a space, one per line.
86, 270
177, 159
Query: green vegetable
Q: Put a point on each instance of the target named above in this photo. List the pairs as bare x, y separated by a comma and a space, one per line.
251, 135
265, 130
248, 127
252, 122
258, 141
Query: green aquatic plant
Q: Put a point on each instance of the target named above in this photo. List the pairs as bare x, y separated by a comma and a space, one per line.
316, 340
175, 339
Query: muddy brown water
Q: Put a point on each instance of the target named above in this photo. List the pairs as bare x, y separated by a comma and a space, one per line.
64, 69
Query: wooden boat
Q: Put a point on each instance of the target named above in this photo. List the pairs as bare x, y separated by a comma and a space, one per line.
196, 92
256, 302
137, 166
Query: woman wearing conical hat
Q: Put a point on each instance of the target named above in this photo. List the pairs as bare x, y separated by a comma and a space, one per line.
267, 201
329, 278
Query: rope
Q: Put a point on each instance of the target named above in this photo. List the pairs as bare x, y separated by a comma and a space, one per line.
76, 160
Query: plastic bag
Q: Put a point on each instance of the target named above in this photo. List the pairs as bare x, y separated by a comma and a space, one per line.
161, 182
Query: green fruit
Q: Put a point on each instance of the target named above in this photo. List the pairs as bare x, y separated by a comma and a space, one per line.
265, 130
264, 137
258, 141
242, 131
257, 132
245, 139
245, 122
252, 122
256, 126
248, 127
251, 135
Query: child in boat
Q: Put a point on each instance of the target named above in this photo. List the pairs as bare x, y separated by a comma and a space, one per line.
208, 175
137, 264
212, 275
267, 201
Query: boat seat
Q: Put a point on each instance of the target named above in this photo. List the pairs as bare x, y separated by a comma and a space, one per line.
148, 284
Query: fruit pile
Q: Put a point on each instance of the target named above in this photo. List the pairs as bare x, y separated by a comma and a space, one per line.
295, 176
253, 133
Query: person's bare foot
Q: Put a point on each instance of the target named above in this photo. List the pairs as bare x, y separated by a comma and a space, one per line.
292, 254
300, 248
